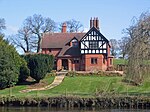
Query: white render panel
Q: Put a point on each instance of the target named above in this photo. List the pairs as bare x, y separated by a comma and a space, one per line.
82, 46
93, 51
100, 51
86, 51
100, 43
104, 46
87, 44
97, 51
89, 51
104, 51
82, 51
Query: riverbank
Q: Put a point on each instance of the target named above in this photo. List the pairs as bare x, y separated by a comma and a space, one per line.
82, 86
79, 102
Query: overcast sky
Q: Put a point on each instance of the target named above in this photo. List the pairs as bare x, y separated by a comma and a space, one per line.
114, 15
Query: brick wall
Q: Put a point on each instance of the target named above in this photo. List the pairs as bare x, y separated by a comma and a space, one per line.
88, 66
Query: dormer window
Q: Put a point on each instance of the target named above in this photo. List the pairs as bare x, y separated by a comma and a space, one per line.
74, 43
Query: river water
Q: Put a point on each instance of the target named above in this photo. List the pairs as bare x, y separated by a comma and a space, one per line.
46, 109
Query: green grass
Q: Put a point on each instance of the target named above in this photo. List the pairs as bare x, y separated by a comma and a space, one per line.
119, 61
14, 91
83, 86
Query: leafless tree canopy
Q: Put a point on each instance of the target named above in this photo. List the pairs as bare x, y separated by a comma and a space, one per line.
23, 39
2, 24
30, 35
114, 47
73, 26
139, 49
37, 26
123, 44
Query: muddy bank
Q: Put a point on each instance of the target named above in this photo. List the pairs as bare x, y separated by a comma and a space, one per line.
68, 102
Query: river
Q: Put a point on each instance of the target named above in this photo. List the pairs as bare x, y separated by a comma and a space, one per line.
46, 109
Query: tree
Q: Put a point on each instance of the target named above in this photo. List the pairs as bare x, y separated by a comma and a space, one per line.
10, 64
139, 49
23, 39
37, 26
73, 26
114, 47
123, 45
2, 24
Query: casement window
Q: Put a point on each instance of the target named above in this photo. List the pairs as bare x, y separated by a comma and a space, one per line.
76, 60
93, 44
93, 60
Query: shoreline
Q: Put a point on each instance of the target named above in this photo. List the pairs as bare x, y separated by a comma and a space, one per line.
135, 102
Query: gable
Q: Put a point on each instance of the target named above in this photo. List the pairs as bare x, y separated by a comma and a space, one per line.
96, 33
94, 42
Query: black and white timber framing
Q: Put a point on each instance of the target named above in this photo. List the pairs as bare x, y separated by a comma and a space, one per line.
94, 42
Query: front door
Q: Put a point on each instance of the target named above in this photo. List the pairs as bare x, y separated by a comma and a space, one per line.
65, 64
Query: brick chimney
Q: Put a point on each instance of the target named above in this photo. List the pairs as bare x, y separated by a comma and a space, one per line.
64, 28
91, 23
97, 23
94, 23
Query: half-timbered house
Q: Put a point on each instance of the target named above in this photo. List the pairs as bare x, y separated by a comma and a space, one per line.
79, 51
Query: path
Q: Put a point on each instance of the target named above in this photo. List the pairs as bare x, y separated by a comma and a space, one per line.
57, 81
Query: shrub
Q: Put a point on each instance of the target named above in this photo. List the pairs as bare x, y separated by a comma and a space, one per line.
24, 73
39, 65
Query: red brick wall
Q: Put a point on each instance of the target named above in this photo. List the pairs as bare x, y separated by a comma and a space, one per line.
59, 64
88, 66
53, 51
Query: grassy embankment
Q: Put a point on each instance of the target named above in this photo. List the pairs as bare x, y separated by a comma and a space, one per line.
87, 86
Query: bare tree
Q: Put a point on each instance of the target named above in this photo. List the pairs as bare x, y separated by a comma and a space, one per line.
114, 47
22, 39
139, 49
2, 24
37, 26
72, 26
123, 46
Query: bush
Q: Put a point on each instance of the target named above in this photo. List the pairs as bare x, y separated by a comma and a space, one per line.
24, 73
39, 65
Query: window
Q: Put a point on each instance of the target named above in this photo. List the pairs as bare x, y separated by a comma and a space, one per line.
76, 60
93, 44
110, 61
104, 60
75, 43
93, 60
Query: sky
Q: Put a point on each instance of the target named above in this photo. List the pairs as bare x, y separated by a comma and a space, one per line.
114, 15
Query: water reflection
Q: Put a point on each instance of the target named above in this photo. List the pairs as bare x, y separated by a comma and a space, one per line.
46, 109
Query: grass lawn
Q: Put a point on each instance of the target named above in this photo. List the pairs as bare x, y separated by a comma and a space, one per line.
82, 86
119, 61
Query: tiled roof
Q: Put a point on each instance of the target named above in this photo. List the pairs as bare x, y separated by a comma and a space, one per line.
58, 40
68, 51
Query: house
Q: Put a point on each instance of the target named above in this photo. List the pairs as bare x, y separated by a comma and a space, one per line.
78, 51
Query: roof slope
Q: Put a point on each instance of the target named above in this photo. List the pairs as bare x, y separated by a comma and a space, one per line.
68, 51
58, 40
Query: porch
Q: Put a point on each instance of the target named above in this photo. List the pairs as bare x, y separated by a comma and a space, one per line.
68, 64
